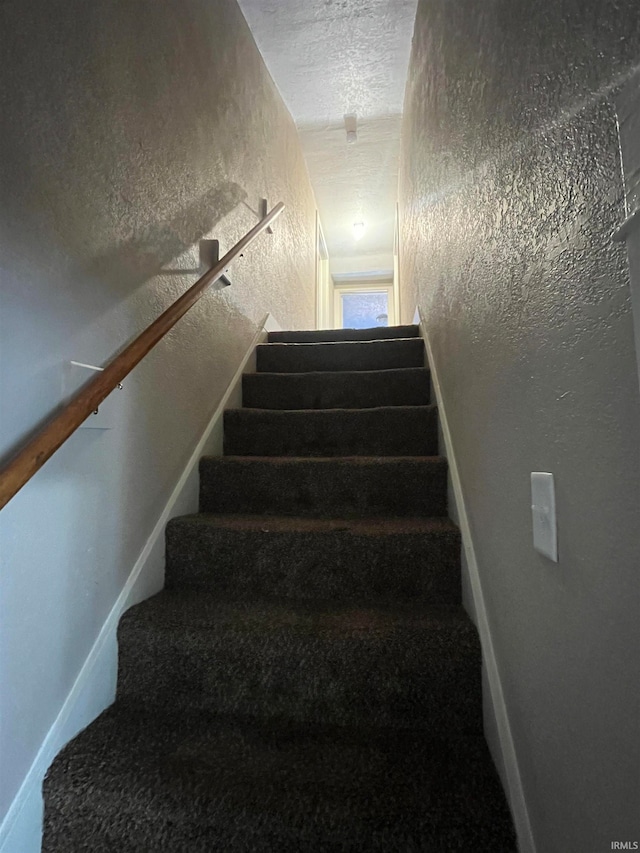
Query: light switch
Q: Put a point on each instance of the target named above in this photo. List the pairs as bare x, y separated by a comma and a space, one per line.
543, 510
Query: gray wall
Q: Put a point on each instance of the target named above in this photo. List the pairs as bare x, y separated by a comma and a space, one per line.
130, 130
510, 189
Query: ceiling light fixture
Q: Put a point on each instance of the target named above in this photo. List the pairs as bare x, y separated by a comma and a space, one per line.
358, 230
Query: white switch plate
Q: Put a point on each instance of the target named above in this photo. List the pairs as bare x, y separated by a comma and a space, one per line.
543, 510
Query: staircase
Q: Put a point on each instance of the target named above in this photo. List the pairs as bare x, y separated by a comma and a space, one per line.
308, 680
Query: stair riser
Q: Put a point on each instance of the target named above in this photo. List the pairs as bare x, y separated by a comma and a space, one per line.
336, 390
413, 684
410, 431
324, 488
322, 335
338, 565
367, 355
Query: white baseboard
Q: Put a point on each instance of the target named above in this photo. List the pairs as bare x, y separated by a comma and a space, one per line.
507, 761
94, 688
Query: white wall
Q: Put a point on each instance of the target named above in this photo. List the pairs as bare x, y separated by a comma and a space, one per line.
127, 136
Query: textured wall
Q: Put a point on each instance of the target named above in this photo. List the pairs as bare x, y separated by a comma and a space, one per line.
335, 57
627, 102
511, 186
130, 130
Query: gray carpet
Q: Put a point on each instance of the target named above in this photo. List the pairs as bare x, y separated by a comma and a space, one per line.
347, 487
328, 335
348, 560
341, 355
381, 431
307, 680
346, 389
191, 782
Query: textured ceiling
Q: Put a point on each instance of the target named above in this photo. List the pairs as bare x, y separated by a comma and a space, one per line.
330, 58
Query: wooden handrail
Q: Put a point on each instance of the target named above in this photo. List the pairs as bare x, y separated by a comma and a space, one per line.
32, 456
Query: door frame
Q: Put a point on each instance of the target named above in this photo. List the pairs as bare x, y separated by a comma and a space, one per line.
396, 265
324, 306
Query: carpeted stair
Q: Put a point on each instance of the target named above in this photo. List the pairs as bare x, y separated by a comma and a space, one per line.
308, 680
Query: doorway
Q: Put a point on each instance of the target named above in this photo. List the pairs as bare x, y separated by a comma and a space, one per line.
363, 305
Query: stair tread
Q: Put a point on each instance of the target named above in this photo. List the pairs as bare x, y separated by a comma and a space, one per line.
340, 355
383, 430
361, 461
352, 389
373, 558
141, 779
387, 663
376, 333
387, 374
324, 413
377, 526
200, 609
324, 485
355, 343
